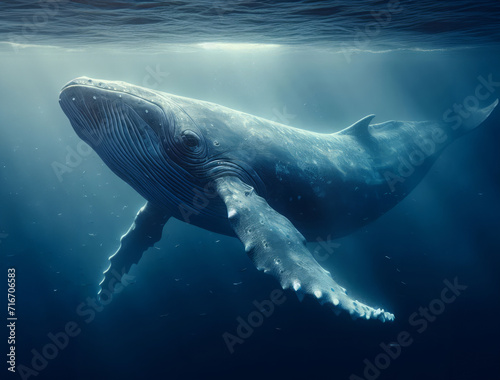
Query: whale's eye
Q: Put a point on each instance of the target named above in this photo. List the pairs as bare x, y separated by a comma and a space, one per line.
190, 139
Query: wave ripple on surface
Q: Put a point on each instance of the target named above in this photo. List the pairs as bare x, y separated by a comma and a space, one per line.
356, 24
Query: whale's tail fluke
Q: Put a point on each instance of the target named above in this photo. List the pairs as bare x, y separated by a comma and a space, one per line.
402, 152
476, 118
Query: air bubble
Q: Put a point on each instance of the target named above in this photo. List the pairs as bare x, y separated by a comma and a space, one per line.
147, 111
216, 143
94, 97
73, 99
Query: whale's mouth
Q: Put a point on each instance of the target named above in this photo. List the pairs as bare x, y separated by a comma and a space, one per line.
126, 131
98, 112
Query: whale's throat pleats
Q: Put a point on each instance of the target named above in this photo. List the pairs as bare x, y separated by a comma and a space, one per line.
131, 147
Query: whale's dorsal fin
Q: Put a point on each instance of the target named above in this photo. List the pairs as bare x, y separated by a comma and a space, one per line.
359, 128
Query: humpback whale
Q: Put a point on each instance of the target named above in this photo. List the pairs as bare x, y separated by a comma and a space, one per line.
272, 186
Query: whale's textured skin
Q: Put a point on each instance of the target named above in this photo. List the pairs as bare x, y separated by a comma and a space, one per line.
272, 186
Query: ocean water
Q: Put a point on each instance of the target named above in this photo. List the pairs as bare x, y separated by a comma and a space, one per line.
314, 65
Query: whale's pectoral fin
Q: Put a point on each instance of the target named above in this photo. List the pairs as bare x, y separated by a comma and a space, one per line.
276, 247
144, 232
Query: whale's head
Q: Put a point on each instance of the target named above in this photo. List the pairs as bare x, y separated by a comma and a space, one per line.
143, 136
